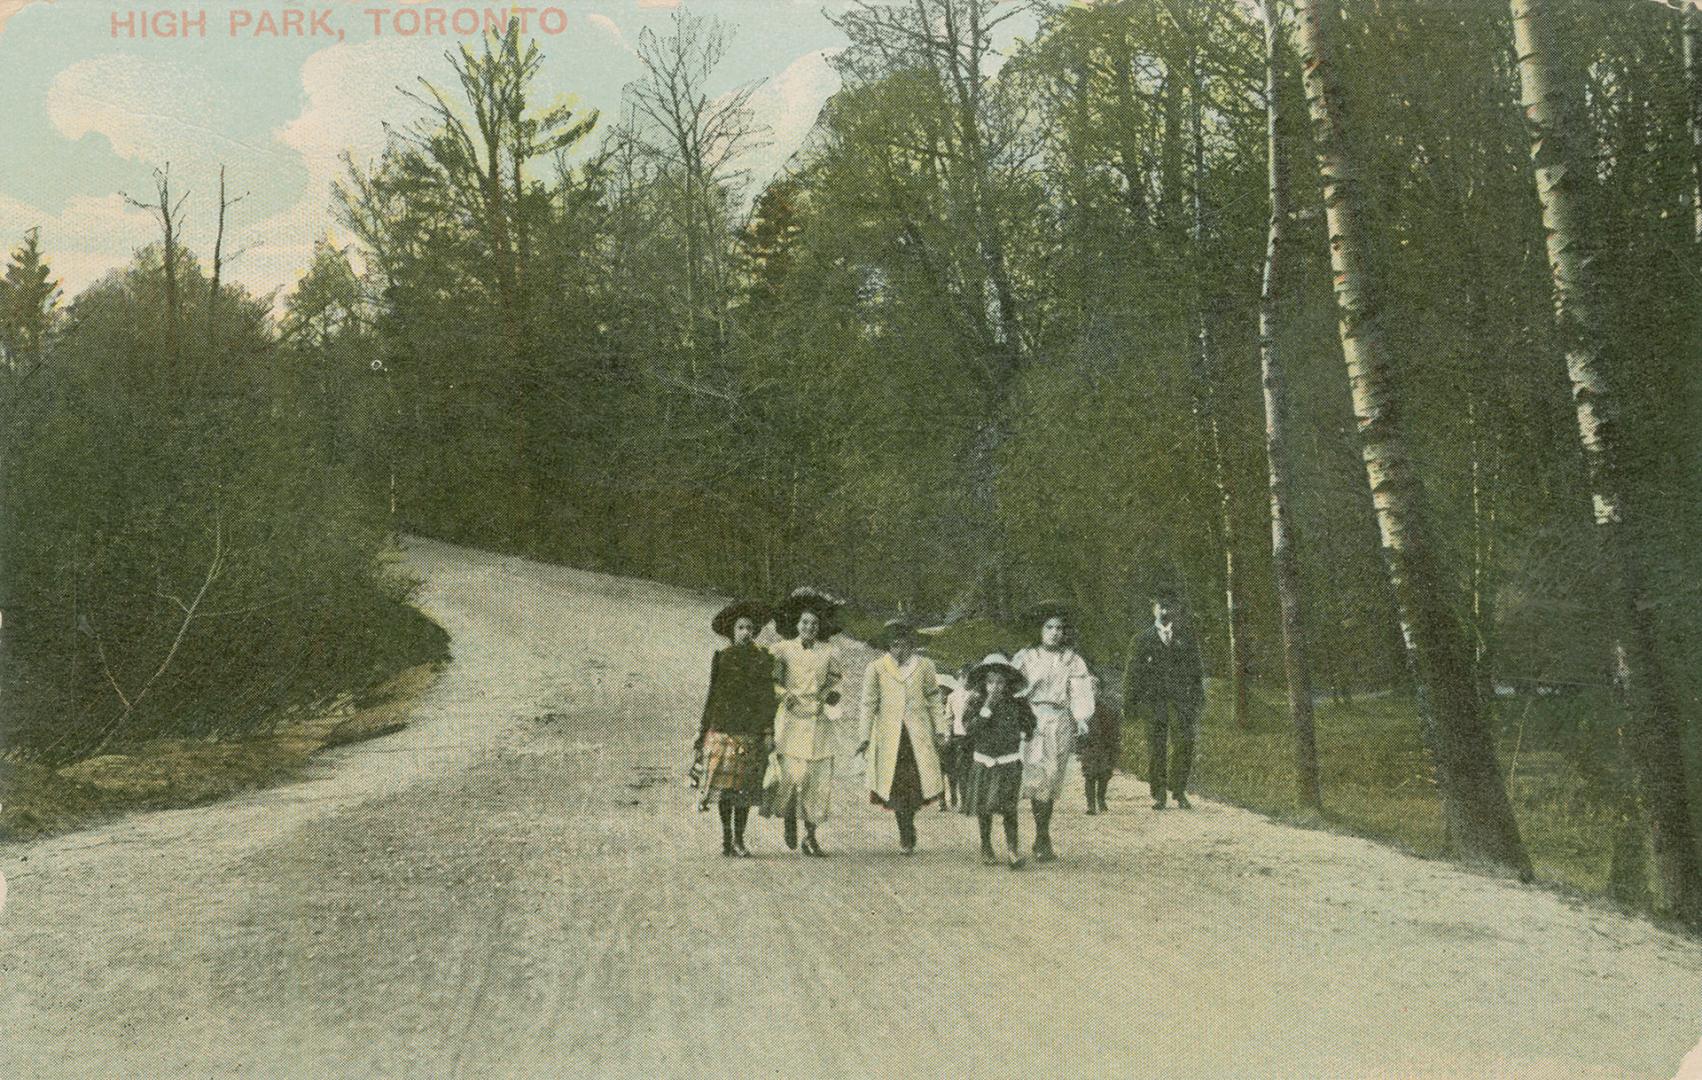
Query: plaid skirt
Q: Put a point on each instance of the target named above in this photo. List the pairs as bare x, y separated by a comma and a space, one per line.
732, 766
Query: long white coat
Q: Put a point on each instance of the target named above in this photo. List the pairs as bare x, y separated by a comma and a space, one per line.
893, 702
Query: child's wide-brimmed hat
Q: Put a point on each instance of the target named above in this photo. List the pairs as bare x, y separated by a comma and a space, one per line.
825, 605
724, 619
1014, 679
896, 630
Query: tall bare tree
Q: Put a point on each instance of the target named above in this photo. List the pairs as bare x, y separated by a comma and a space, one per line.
170, 216
1476, 810
219, 254
1551, 104
1284, 551
699, 139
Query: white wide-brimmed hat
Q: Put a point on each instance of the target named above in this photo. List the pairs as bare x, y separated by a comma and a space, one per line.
997, 662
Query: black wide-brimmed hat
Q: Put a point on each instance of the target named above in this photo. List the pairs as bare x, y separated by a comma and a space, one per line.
724, 619
1014, 678
825, 605
1038, 614
896, 630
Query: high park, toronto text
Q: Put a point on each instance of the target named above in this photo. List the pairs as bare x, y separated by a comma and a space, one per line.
327, 22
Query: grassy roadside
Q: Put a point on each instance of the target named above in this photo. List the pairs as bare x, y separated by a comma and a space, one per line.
172, 773
1377, 778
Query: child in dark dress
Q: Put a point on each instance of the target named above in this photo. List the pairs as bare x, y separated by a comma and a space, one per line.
1098, 754
997, 724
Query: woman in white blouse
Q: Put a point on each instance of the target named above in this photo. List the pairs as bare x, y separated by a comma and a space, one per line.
1060, 691
806, 681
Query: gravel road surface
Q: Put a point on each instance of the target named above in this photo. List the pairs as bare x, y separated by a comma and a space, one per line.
518, 885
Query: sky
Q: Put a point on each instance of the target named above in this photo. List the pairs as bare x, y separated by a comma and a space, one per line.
91, 107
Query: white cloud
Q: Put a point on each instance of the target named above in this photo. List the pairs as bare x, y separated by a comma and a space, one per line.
90, 236
788, 105
151, 111
607, 26
350, 88
9, 8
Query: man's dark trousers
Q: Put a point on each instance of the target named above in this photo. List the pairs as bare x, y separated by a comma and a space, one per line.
1185, 714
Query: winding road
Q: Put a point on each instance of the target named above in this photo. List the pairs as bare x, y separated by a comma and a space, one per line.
518, 885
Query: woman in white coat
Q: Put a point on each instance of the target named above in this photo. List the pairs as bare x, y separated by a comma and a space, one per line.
903, 723
1061, 693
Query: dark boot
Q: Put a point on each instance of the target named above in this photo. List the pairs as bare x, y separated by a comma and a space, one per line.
987, 856
1104, 787
1012, 843
1092, 788
906, 832
1043, 831
810, 847
791, 830
726, 809
741, 815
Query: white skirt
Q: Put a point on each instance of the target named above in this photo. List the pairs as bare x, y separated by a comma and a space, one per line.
1046, 755
805, 784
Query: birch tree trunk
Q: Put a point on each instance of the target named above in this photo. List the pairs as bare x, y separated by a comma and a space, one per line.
1476, 811
1692, 29
1654, 727
1283, 549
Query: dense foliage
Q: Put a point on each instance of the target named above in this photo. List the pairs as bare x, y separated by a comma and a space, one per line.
675, 389
186, 550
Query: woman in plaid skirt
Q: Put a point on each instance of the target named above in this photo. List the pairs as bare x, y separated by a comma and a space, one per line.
738, 722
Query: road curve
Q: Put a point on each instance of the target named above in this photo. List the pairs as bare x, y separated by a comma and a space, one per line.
517, 885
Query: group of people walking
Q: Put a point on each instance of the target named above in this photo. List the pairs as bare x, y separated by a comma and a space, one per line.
1003, 733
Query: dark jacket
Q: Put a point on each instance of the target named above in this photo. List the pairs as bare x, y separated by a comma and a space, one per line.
741, 692
1157, 672
1002, 732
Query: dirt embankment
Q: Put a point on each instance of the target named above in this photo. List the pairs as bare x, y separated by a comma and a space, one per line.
36, 801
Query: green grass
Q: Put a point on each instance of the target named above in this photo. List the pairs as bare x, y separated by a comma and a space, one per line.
1377, 781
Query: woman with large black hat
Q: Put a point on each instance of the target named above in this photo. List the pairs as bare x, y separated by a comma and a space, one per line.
738, 721
806, 680
1061, 693
903, 723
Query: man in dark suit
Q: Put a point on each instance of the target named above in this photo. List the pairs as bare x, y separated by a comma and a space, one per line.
1164, 672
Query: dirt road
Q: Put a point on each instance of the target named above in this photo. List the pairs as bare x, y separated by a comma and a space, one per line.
518, 886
